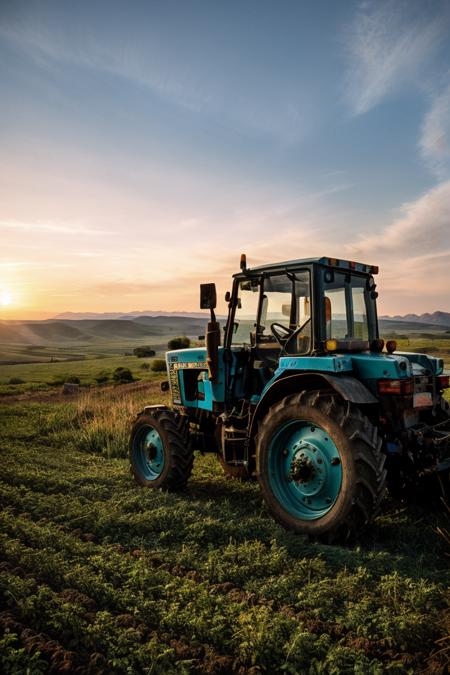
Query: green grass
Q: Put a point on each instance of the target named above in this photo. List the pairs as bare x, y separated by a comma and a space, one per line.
434, 346
86, 361
41, 375
11, 354
101, 575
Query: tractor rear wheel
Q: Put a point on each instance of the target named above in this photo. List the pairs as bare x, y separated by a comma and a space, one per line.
320, 466
160, 449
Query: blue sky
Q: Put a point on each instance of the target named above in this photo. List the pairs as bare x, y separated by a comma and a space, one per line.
145, 145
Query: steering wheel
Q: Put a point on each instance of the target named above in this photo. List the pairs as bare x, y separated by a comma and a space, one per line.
281, 333
286, 333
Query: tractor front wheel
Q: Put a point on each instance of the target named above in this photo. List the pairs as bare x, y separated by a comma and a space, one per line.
320, 465
160, 449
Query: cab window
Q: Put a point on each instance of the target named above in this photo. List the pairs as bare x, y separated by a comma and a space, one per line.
286, 301
345, 306
246, 312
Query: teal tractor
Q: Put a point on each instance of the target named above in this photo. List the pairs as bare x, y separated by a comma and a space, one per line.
301, 392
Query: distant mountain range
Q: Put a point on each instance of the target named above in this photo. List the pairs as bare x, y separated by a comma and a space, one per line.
128, 315
434, 319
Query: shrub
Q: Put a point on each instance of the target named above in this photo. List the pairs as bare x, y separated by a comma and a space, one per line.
145, 350
158, 365
145, 366
72, 379
102, 376
123, 375
180, 342
56, 382
59, 380
16, 380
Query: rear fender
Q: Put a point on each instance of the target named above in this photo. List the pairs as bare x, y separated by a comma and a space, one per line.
349, 388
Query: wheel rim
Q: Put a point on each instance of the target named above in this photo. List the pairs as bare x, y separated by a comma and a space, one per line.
305, 470
148, 453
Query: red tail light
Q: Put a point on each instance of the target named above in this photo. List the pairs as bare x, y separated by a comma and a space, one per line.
402, 387
444, 381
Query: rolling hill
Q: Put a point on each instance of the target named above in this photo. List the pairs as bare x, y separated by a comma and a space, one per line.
128, 315
148, 329
402, 326
88, 331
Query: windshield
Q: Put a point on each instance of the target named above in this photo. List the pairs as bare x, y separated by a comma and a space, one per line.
246, 312
346, 301
284, 300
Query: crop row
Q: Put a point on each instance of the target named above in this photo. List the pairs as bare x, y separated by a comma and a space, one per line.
101, 576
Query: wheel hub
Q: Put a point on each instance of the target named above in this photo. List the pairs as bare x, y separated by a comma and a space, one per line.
305, 469
302, 469
151, 451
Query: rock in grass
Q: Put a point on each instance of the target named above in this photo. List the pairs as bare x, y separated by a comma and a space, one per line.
70, 388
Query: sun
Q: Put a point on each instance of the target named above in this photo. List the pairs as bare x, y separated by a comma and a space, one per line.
5, 298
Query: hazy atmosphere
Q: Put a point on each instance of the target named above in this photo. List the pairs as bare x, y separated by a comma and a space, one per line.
145, 145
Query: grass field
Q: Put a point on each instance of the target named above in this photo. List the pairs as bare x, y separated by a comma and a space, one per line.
17, 354
40, 366
432, 345
100, 576
38, 376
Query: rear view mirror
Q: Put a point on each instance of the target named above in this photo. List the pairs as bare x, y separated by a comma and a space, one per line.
208, 296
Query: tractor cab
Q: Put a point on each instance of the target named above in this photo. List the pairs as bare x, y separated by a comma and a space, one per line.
302, 309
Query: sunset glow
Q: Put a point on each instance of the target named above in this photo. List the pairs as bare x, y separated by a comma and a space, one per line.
5, 298
141, 154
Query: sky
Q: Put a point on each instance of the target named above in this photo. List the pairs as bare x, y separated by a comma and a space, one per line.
145, 145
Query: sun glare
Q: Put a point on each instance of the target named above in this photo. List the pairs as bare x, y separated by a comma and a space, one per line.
5, 298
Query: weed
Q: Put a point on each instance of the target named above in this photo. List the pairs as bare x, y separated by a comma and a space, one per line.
159, 366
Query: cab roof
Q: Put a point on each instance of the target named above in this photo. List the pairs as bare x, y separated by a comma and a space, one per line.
303, 262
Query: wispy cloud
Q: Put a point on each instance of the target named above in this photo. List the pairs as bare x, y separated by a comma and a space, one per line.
55, 46
30, 265
388, 42
56, 228
434, 141
413, 252
423, 225
213, 88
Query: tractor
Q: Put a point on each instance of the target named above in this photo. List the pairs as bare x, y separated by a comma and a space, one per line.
299, 391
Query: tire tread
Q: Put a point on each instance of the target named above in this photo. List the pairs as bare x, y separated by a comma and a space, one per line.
176, 427
369, 488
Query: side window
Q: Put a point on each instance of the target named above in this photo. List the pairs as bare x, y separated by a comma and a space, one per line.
360, 325
336, 313
345, 307
246, 312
